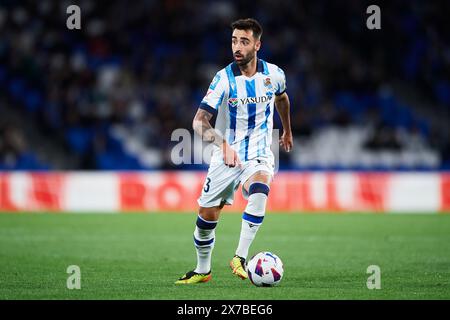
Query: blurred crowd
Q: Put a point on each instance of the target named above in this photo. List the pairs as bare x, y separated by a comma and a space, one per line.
116, 89
15, 152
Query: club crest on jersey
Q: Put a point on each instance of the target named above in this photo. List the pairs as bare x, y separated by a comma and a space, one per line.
267, 83
232, 102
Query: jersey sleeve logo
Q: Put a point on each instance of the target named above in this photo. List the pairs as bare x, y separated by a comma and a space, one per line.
214, 82
280, 71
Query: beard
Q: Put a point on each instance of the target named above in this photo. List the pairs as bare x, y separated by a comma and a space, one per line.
245, 59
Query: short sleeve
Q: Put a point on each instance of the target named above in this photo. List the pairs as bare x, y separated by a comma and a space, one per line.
215, 95
281, 82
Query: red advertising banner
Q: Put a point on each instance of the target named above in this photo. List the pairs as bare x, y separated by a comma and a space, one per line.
175, 191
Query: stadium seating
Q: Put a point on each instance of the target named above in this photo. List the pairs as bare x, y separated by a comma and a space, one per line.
132, 88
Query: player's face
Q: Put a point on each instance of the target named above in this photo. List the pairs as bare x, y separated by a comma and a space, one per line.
244, 46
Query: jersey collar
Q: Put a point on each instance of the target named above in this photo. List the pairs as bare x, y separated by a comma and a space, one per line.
237, 72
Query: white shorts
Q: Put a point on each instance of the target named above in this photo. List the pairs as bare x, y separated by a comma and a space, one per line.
222, 182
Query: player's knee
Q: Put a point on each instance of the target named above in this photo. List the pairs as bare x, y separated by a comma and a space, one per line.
257, 199
209, 214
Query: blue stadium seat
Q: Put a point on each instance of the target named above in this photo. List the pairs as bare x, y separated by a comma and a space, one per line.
79, 139
33, 100
17, 88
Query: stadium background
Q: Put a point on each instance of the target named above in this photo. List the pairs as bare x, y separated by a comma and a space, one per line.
87, 116
108, 97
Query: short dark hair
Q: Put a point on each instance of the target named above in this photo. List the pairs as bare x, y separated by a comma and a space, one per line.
248, 24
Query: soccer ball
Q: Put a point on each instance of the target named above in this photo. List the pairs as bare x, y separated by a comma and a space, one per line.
265, 269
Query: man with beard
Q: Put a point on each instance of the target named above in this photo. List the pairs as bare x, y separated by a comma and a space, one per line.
242, 96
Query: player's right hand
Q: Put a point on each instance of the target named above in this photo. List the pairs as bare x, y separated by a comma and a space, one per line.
230, 156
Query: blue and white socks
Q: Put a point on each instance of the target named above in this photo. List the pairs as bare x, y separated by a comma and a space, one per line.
204, 243
252, 217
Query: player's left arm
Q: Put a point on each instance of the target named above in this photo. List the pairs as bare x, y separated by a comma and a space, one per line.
283, 107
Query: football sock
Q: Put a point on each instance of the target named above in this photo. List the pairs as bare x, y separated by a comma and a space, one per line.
252, 217
204, 243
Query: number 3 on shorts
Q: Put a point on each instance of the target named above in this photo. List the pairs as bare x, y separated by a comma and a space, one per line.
206, 188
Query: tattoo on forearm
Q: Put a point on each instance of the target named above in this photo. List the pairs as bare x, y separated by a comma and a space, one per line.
203, 127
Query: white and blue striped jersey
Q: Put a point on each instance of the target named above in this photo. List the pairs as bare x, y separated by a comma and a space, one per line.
244, 107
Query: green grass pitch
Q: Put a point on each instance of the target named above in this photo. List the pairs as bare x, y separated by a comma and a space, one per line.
139, 256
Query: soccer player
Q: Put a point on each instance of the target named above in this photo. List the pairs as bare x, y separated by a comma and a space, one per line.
242, 97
